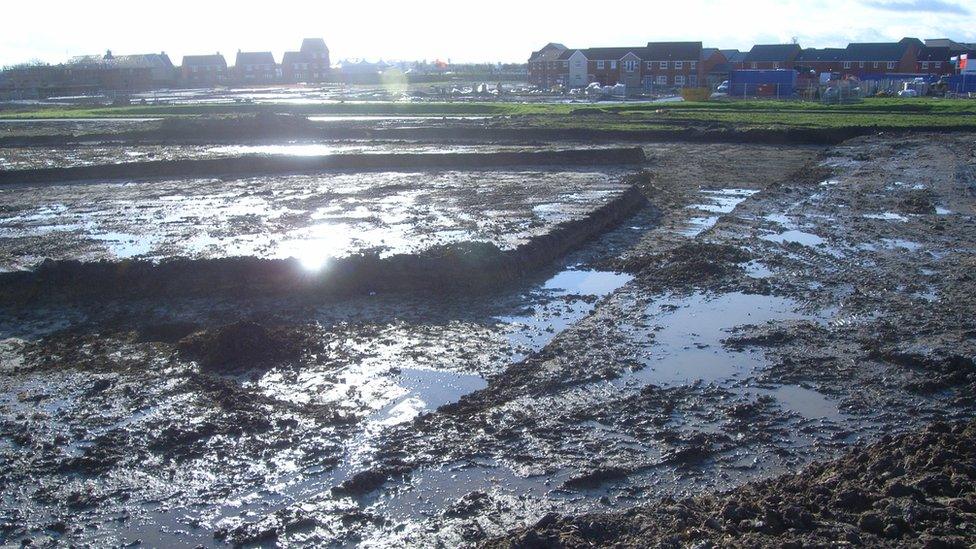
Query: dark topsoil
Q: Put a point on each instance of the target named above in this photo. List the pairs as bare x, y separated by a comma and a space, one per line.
915, 490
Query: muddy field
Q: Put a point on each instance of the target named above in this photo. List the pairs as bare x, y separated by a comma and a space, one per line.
766, 308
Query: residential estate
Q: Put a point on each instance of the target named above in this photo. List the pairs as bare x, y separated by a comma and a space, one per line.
660, 65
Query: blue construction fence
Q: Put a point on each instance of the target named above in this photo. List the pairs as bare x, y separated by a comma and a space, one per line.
962, 83
779, 84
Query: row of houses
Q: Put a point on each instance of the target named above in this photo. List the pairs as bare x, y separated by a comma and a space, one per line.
309, 64
688, 64
139, 72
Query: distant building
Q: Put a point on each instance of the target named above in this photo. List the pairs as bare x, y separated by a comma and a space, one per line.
735, 58
772, 56
204, 70
255, 67
715, 67
309, 64
658, 65
935, 60
122, 72
545, 67
862, 59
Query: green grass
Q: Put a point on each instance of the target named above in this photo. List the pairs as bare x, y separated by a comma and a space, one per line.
748, 114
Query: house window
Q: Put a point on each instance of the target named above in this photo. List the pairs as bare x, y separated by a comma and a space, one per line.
891, 66
679, 80
565, 64
694, 65
860, 64
877, 65
938, 64
847, 64
650, 65
664, 64
630, 66
600, 64
925, 64
661, 80
613, 64
578, 63
679, 64
755, 65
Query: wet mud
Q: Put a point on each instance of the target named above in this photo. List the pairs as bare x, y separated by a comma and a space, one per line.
274, 165
776, 347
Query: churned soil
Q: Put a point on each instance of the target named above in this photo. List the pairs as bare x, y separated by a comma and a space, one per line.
913, 490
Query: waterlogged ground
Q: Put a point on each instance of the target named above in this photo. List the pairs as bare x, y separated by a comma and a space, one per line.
24, 158
313, 218
768, 310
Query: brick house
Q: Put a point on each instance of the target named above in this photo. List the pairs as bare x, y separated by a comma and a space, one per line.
545, 68
879, 58
672, 65
310, 64
934, 60
657, 65
205, 70
255, 67
715, 67
830, 60
772, 57
735, 58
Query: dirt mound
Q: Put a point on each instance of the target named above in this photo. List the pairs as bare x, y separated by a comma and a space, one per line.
245, 345
916, 490
917, 202
689, 263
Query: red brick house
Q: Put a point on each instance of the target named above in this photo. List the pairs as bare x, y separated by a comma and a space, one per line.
934, 60
672, 65
309, 64
545, 68
772, 57
715, 67
256, 67
823, 60
203, 70
882, 57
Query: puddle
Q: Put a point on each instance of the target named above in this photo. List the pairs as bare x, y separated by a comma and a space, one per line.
687, 345
796, 237
887, 216
807, 403
717, 202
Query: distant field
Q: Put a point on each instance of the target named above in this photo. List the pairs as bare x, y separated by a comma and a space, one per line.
881, 113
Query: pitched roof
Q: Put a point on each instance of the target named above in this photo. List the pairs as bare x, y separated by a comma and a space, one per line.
137, 61
255, 58
314, 44
292, 57
930, 53
734, 56
822, 55
610, 54
666, 51
881, 51
772, 53
204, 60
549, 52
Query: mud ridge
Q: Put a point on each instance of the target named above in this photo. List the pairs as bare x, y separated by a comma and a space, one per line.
273, 165
913, 490
468, 266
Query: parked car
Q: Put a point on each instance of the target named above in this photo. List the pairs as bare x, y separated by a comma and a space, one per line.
723, 87
908, 93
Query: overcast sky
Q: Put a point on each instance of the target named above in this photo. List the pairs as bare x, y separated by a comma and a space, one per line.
502, 30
